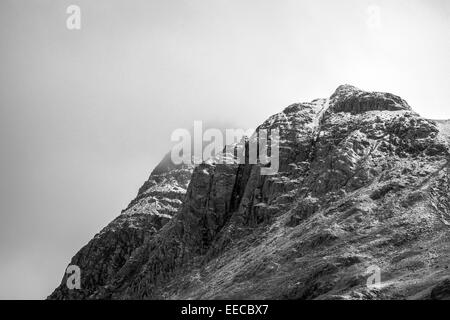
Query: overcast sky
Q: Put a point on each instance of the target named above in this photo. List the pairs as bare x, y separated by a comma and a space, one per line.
86, 114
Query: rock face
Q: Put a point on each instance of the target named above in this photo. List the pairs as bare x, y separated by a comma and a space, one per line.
157, 202
363, 185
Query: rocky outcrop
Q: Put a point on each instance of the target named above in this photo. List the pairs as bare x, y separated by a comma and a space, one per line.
362, 185
351, 99
156, 203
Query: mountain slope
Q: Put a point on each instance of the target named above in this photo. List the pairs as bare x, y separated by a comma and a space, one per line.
363, 183
157, 201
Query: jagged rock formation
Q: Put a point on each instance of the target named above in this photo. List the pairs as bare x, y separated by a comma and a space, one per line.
157, 201
363, 181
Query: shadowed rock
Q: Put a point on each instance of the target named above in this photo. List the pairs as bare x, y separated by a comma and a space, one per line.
363, 182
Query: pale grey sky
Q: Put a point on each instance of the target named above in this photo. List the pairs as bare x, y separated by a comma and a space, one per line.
85, 115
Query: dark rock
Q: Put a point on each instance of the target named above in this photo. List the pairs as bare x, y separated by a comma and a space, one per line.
441, 291
362, 181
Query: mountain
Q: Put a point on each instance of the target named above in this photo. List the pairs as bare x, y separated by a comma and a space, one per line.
363, 185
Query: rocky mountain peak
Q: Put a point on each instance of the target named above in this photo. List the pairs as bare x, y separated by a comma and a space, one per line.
363, 183
348, 98
344, 90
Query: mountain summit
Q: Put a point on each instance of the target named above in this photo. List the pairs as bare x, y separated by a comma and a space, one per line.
362, 190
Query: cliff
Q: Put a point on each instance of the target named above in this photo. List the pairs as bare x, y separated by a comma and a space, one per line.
363, 183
